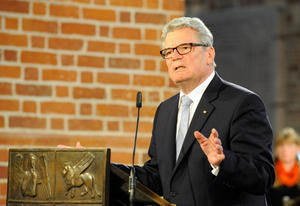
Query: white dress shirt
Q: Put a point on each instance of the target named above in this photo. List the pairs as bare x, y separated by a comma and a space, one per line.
195, 95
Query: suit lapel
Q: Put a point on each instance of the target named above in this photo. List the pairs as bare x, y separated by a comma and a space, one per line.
204, 109
169, 133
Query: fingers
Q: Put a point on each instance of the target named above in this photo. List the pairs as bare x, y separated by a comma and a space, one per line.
200, 137
78, 145
62, 146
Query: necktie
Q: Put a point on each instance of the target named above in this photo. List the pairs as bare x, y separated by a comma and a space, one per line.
184, 123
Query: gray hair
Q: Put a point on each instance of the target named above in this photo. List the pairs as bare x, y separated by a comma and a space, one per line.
204, 35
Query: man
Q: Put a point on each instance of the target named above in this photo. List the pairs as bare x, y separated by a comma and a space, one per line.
225, 156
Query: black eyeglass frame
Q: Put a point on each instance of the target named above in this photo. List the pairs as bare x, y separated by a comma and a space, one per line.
191, 44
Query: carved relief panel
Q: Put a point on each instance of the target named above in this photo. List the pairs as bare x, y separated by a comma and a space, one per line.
58, 176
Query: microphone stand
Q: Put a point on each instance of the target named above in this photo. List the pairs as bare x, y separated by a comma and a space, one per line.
132, 177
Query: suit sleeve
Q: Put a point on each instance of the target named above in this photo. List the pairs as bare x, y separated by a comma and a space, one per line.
248, 164
149, 173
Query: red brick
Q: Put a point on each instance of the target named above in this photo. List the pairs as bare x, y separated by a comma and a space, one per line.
174, 16
154, 96
9, 105
124, 16
75, 28
99, 14
91, 61
123, 94
172, 84
2, 124
113, 78
150, 34
31, 73
131, 3
58, 107
39, 8
101, 46
163, 66
80, 124
10, 71
147, 49
64, 11
38, 57
62, 91
112, 110
152, 4
3, 156
88, 93
177, 5
13, 40
149, 65
11, 23
14, 6
147, 111
101, 2
67, 60
5, 88
65, 44
27, 122
148, 80
113, 126
124, 48
33, 90
104, 31
57, 124
40, 25
37, 42
10, 55
3, 172
59, 75
82, 1
87, 77
150, 18
123, 157
85, 109
168, 94
29, 106
3, 188
124, 63
131, 126
126, 33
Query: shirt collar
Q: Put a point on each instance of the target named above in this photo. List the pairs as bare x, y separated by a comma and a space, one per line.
196, 94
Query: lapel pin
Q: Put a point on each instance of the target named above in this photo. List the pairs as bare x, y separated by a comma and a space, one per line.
204, 111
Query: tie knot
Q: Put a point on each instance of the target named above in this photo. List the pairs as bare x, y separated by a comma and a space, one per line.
186, 101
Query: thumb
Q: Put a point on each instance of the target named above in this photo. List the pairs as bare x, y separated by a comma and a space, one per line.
200, 137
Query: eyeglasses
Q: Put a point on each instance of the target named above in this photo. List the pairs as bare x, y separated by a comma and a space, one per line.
182, 49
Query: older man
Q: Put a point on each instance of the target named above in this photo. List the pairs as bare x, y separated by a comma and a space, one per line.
211, 142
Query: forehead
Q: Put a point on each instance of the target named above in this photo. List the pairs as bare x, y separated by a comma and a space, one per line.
180, 36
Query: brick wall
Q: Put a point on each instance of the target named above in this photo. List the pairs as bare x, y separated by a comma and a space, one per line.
70, 70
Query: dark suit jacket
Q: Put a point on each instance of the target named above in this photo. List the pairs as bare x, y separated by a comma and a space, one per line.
247, 172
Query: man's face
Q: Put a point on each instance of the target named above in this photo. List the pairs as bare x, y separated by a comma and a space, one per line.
189, 70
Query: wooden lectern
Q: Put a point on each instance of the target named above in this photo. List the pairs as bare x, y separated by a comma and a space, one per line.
54, 176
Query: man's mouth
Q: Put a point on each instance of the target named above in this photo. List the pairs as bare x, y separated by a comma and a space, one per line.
179, 67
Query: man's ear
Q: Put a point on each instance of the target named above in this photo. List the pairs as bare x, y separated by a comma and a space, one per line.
211, 55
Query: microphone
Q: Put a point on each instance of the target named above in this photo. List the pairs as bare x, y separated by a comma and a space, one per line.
132, 178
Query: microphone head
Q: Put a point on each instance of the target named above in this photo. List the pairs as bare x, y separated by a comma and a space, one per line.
139, 99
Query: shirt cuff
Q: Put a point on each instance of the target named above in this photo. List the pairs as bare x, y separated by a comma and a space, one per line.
215, 171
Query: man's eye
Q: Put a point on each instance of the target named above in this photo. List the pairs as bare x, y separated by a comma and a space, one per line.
168, 52
185, 48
